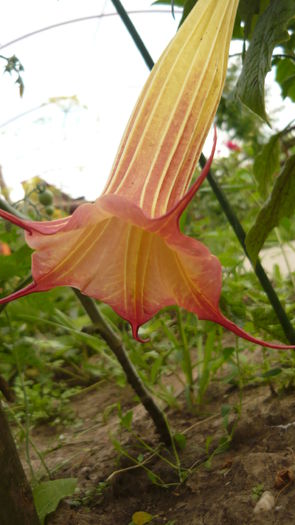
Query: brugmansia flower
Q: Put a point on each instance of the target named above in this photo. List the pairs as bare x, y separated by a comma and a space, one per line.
126, 249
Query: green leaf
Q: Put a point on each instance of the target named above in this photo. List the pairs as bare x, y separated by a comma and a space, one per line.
281, 203
178, 3
267, 164
126, 420
152, 477
271, 373
285, 76
247, 11
269, 31
16, 264
180, 440
88, 339
48, 494
225, 410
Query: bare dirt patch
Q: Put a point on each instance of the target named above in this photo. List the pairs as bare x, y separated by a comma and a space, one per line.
223, 493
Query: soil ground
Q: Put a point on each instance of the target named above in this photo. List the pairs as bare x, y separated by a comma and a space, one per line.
261, 457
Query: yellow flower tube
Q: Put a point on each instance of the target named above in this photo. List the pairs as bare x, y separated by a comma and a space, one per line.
126, 249
164, 138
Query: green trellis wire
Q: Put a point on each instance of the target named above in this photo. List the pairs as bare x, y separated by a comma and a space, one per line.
219, 194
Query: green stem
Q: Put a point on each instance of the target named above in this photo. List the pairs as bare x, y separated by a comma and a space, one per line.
117, 347
4, 205
134, 34
186, 359
224, 203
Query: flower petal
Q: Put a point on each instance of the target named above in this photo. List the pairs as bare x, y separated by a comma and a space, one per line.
165, 135
112, 251
126, 249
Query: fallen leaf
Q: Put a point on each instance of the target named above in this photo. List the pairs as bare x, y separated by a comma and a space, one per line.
284, 477
141, 518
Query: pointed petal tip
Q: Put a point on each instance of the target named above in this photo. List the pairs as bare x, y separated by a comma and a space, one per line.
31, 288
14, 219
135, 327
229, 325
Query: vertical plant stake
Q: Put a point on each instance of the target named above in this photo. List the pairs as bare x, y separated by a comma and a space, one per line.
126, 249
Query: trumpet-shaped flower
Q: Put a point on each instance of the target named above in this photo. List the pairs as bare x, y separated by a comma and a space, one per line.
126, 249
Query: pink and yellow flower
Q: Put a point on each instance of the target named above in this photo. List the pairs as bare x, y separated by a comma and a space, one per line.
126, 249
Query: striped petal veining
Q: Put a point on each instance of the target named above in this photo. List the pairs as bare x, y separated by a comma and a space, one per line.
126, 249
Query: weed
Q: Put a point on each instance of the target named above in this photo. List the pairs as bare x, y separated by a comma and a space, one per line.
257, 491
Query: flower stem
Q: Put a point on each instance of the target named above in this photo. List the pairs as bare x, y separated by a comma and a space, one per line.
186, 360
224, 203
117, 347
134, 34
4, 205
